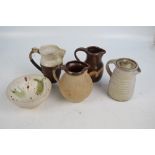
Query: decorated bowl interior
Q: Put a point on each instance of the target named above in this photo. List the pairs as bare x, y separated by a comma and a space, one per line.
29, 90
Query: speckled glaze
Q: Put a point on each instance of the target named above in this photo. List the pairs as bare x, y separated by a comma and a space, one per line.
75, 84
123, 78
29, 91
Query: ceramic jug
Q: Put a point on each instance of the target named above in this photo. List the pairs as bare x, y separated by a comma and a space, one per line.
51, 57
122, 81
94, 59
75, 84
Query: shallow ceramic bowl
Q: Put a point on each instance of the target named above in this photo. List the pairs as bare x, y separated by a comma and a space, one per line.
29, 91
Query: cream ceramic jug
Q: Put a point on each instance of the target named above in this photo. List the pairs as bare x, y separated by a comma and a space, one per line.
51, 57
122, 81
75, 84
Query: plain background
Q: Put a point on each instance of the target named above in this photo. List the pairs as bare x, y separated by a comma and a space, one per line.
98, 110
98, 12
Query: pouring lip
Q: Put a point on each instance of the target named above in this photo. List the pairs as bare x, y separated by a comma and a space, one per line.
72, 69
100, 50
127, 69
49, 49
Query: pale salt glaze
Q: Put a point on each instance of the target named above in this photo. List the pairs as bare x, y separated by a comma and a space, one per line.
123, 78
51, 57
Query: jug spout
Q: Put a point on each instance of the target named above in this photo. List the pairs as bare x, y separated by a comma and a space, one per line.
102, 52
62, 52
138, 70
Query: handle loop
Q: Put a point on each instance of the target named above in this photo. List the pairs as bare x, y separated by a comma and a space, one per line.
113, 61
82, 49
62, 67
34, 50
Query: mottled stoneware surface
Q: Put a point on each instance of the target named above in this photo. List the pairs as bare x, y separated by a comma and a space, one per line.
75, 84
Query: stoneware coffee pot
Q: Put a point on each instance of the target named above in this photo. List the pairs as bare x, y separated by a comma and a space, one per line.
75, 84
51, 57
122, 81
94, 59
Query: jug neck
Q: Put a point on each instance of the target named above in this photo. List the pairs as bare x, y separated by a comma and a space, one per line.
94, 58
51, 61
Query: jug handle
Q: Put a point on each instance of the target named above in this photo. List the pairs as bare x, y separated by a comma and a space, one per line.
34, 50
82, 49
62, 67
113, 61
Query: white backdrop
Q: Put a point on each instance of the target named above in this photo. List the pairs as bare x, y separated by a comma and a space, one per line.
98, 110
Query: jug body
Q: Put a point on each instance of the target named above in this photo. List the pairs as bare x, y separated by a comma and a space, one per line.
94, 59
47, 71
75, 84
51, 57
122, 82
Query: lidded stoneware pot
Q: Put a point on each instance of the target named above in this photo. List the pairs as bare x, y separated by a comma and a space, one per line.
122, 79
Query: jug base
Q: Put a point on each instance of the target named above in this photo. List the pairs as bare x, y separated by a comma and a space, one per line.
118, 99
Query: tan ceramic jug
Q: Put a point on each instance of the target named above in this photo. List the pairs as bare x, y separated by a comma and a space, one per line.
75, 84
122, 81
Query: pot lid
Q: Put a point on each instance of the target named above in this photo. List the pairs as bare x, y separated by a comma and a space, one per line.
126, 64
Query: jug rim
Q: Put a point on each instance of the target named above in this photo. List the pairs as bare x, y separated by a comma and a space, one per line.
100, 50
49, 49
134, 64
76, 67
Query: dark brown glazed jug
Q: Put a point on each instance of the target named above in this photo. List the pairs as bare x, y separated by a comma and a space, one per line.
94, 59
51, 57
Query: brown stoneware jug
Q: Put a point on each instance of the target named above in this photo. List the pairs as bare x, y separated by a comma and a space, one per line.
94, 59
51, 57
75, 84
